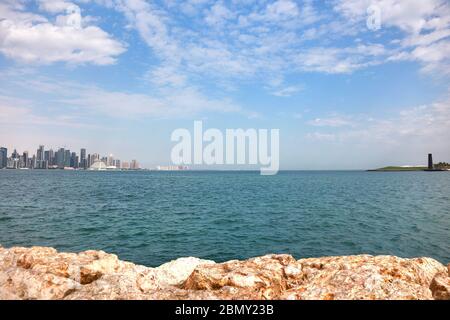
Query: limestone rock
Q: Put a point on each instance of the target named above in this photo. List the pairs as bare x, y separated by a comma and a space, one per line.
44, 273
365, 277
257, 278
440, 287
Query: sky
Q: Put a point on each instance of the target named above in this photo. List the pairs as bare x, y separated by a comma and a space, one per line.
350, 84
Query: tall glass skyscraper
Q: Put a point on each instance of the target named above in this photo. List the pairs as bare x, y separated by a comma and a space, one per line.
60, 158
67, 157
3, 157
83, 163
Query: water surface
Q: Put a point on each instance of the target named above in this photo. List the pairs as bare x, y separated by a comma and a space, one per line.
153, 217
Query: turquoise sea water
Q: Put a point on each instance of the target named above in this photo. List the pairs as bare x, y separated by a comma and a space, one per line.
153, 217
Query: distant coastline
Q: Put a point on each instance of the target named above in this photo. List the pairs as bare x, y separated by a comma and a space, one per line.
405, 169
441, 166
398, 168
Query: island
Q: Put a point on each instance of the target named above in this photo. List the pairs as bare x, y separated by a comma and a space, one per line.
441, 166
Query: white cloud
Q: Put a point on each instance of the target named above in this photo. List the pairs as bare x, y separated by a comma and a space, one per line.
320, 136
217, 14
166, 76
281, 9
32, 38
408, 15
425, 125
87, 101
340, 60
425, 26
287, 91
19, 112
331, 122
54, 6
181, 103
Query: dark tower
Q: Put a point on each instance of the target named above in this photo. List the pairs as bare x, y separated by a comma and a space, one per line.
430, 161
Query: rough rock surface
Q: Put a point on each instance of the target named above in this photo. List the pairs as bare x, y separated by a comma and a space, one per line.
44, 273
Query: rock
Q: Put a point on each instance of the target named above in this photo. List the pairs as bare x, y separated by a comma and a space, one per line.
44, 273
440, 287
365, 277
257, 278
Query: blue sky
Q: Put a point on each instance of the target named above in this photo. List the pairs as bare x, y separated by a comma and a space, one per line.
119, 76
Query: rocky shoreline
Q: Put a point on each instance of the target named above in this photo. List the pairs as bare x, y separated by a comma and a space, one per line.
44, 273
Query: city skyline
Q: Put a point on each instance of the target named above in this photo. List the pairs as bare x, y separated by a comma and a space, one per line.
62, 158
345, 91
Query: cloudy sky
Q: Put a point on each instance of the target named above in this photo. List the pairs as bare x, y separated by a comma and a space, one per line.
118, 76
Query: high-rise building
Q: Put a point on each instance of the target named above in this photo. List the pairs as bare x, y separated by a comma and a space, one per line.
134, 165
15, 154
33, 162
25, 159
110, 160
60, 158
3, 158
13, 163
47, 157
83, 162
67, 157
74, 160
21, 162
40, 153
40, 157
94, 157
51, 157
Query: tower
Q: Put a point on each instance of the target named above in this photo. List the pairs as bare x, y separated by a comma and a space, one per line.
430, 161
3, 157
83, 163
40, 157
60, 158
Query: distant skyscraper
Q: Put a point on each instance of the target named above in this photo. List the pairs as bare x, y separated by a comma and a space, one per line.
47, 157
74, 160
40, 157
134, 165
60, 158
110, 160
51, 157
3, 157
25, 159
15, 154
95, 157
21, 162
83, 163
67, 157
40, 153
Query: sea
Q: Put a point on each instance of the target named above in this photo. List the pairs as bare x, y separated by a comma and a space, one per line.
151, 217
